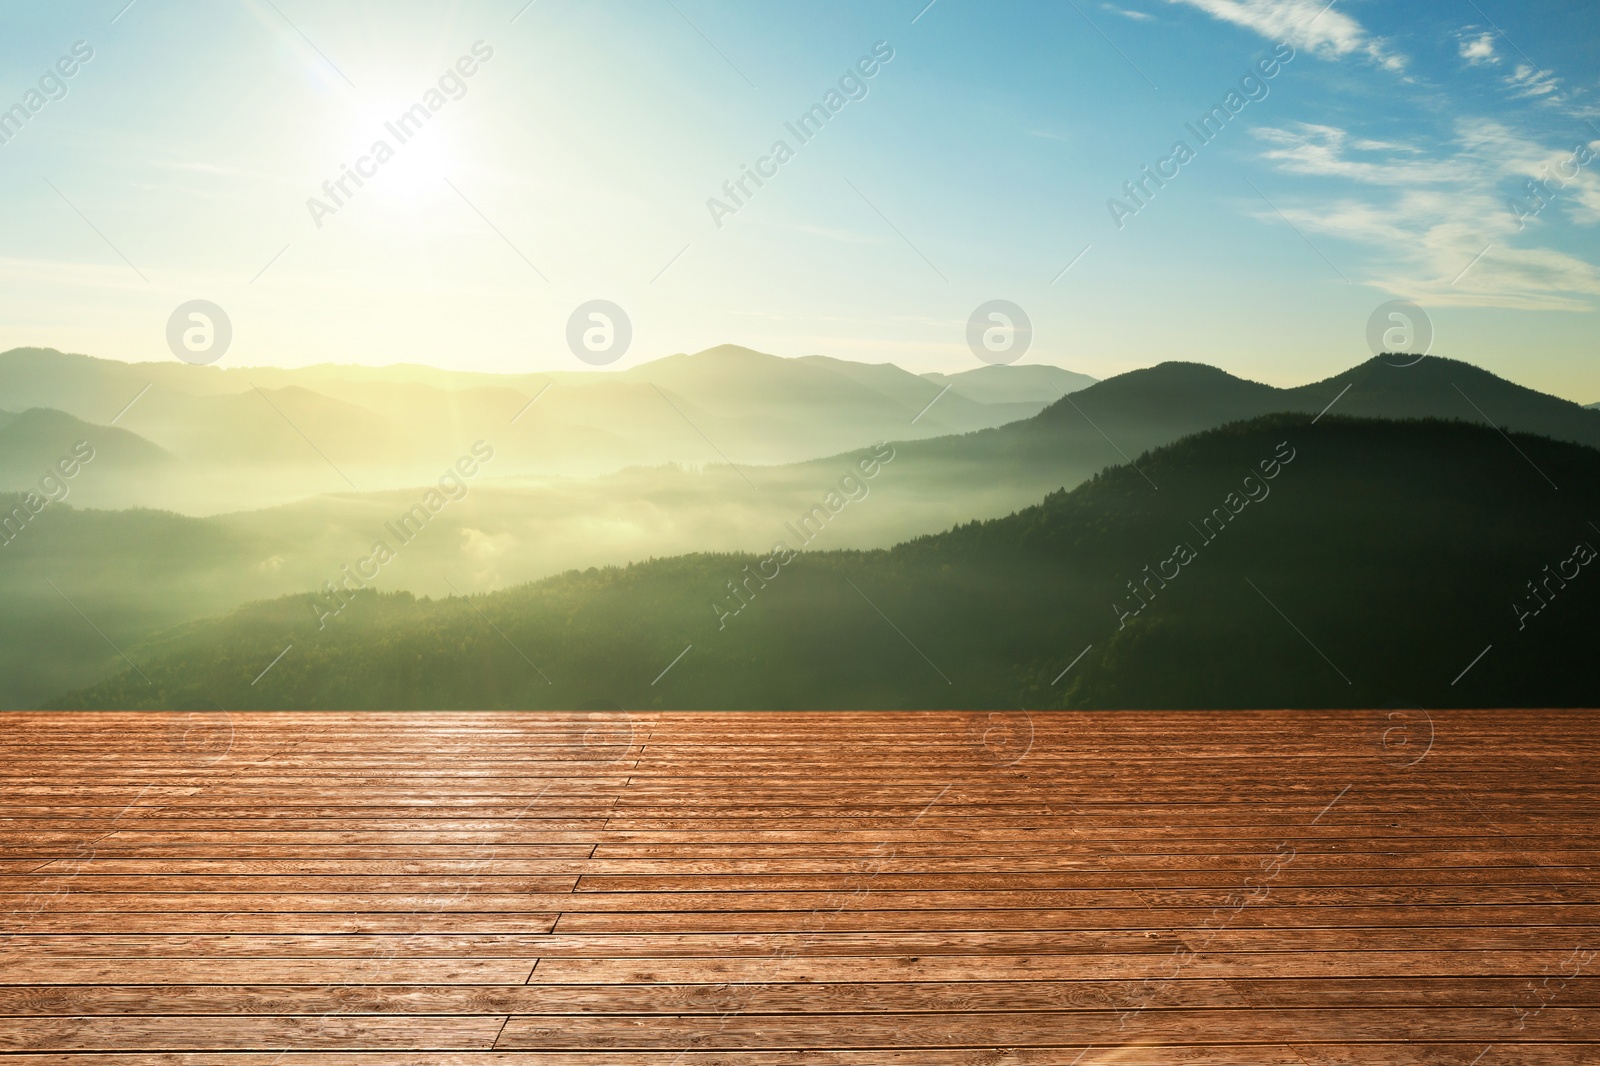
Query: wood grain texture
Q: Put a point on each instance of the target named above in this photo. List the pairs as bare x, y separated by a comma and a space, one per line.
905, 889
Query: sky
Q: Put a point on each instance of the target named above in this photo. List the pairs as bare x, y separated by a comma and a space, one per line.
585, 157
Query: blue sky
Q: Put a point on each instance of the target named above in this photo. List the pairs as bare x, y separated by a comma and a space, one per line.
578, 160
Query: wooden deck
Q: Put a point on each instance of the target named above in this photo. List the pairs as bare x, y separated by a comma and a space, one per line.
734, 890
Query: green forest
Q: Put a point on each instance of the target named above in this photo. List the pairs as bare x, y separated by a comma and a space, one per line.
1281, 561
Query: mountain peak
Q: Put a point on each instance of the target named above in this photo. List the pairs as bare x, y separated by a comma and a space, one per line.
730, 352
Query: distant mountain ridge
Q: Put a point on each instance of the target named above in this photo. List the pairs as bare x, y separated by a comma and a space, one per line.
1115, 421
334, 429
1013, 383
338, 429
32, 441
1185, 397
1424, 535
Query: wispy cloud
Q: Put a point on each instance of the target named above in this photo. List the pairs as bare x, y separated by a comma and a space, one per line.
1427, 215
1526, 83
1512, 155
1137, 16
1310, 25
1327, 151
1477, 48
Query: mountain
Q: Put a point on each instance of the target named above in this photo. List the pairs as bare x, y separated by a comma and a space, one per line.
1448, 388
1174, 399
509, 530
248, 438
34, 441
1284, 562
335, 429
985, 474
1028, 383
730, 380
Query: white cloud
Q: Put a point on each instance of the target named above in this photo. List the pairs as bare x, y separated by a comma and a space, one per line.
1526, 83
1428, 215
1311, 25
1478, 50
484, 552
1428, 241
1327, 151
1573, 187
1137, 16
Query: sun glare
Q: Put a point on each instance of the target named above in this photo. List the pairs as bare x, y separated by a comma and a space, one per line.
395, 154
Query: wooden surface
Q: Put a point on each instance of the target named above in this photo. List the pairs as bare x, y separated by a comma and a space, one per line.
1315, 889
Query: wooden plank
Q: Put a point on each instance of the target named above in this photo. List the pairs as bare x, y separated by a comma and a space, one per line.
1292, 877
360, 970
326, 1032
1412, 992
112, 902
1264, 915
664, 945
927, 997
149, 872
525, 876
1226, 1055
1327, 964
823, 940
466, 999
1037, 1029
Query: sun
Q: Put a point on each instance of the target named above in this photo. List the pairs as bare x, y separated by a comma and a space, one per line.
405, 154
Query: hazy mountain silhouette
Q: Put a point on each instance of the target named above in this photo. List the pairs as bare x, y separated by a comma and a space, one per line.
1013, 384
1173, 399
33, 441
511, 530
1117, 418
248, 438
336, 429
1113, 421
1377, 559
1449, 388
